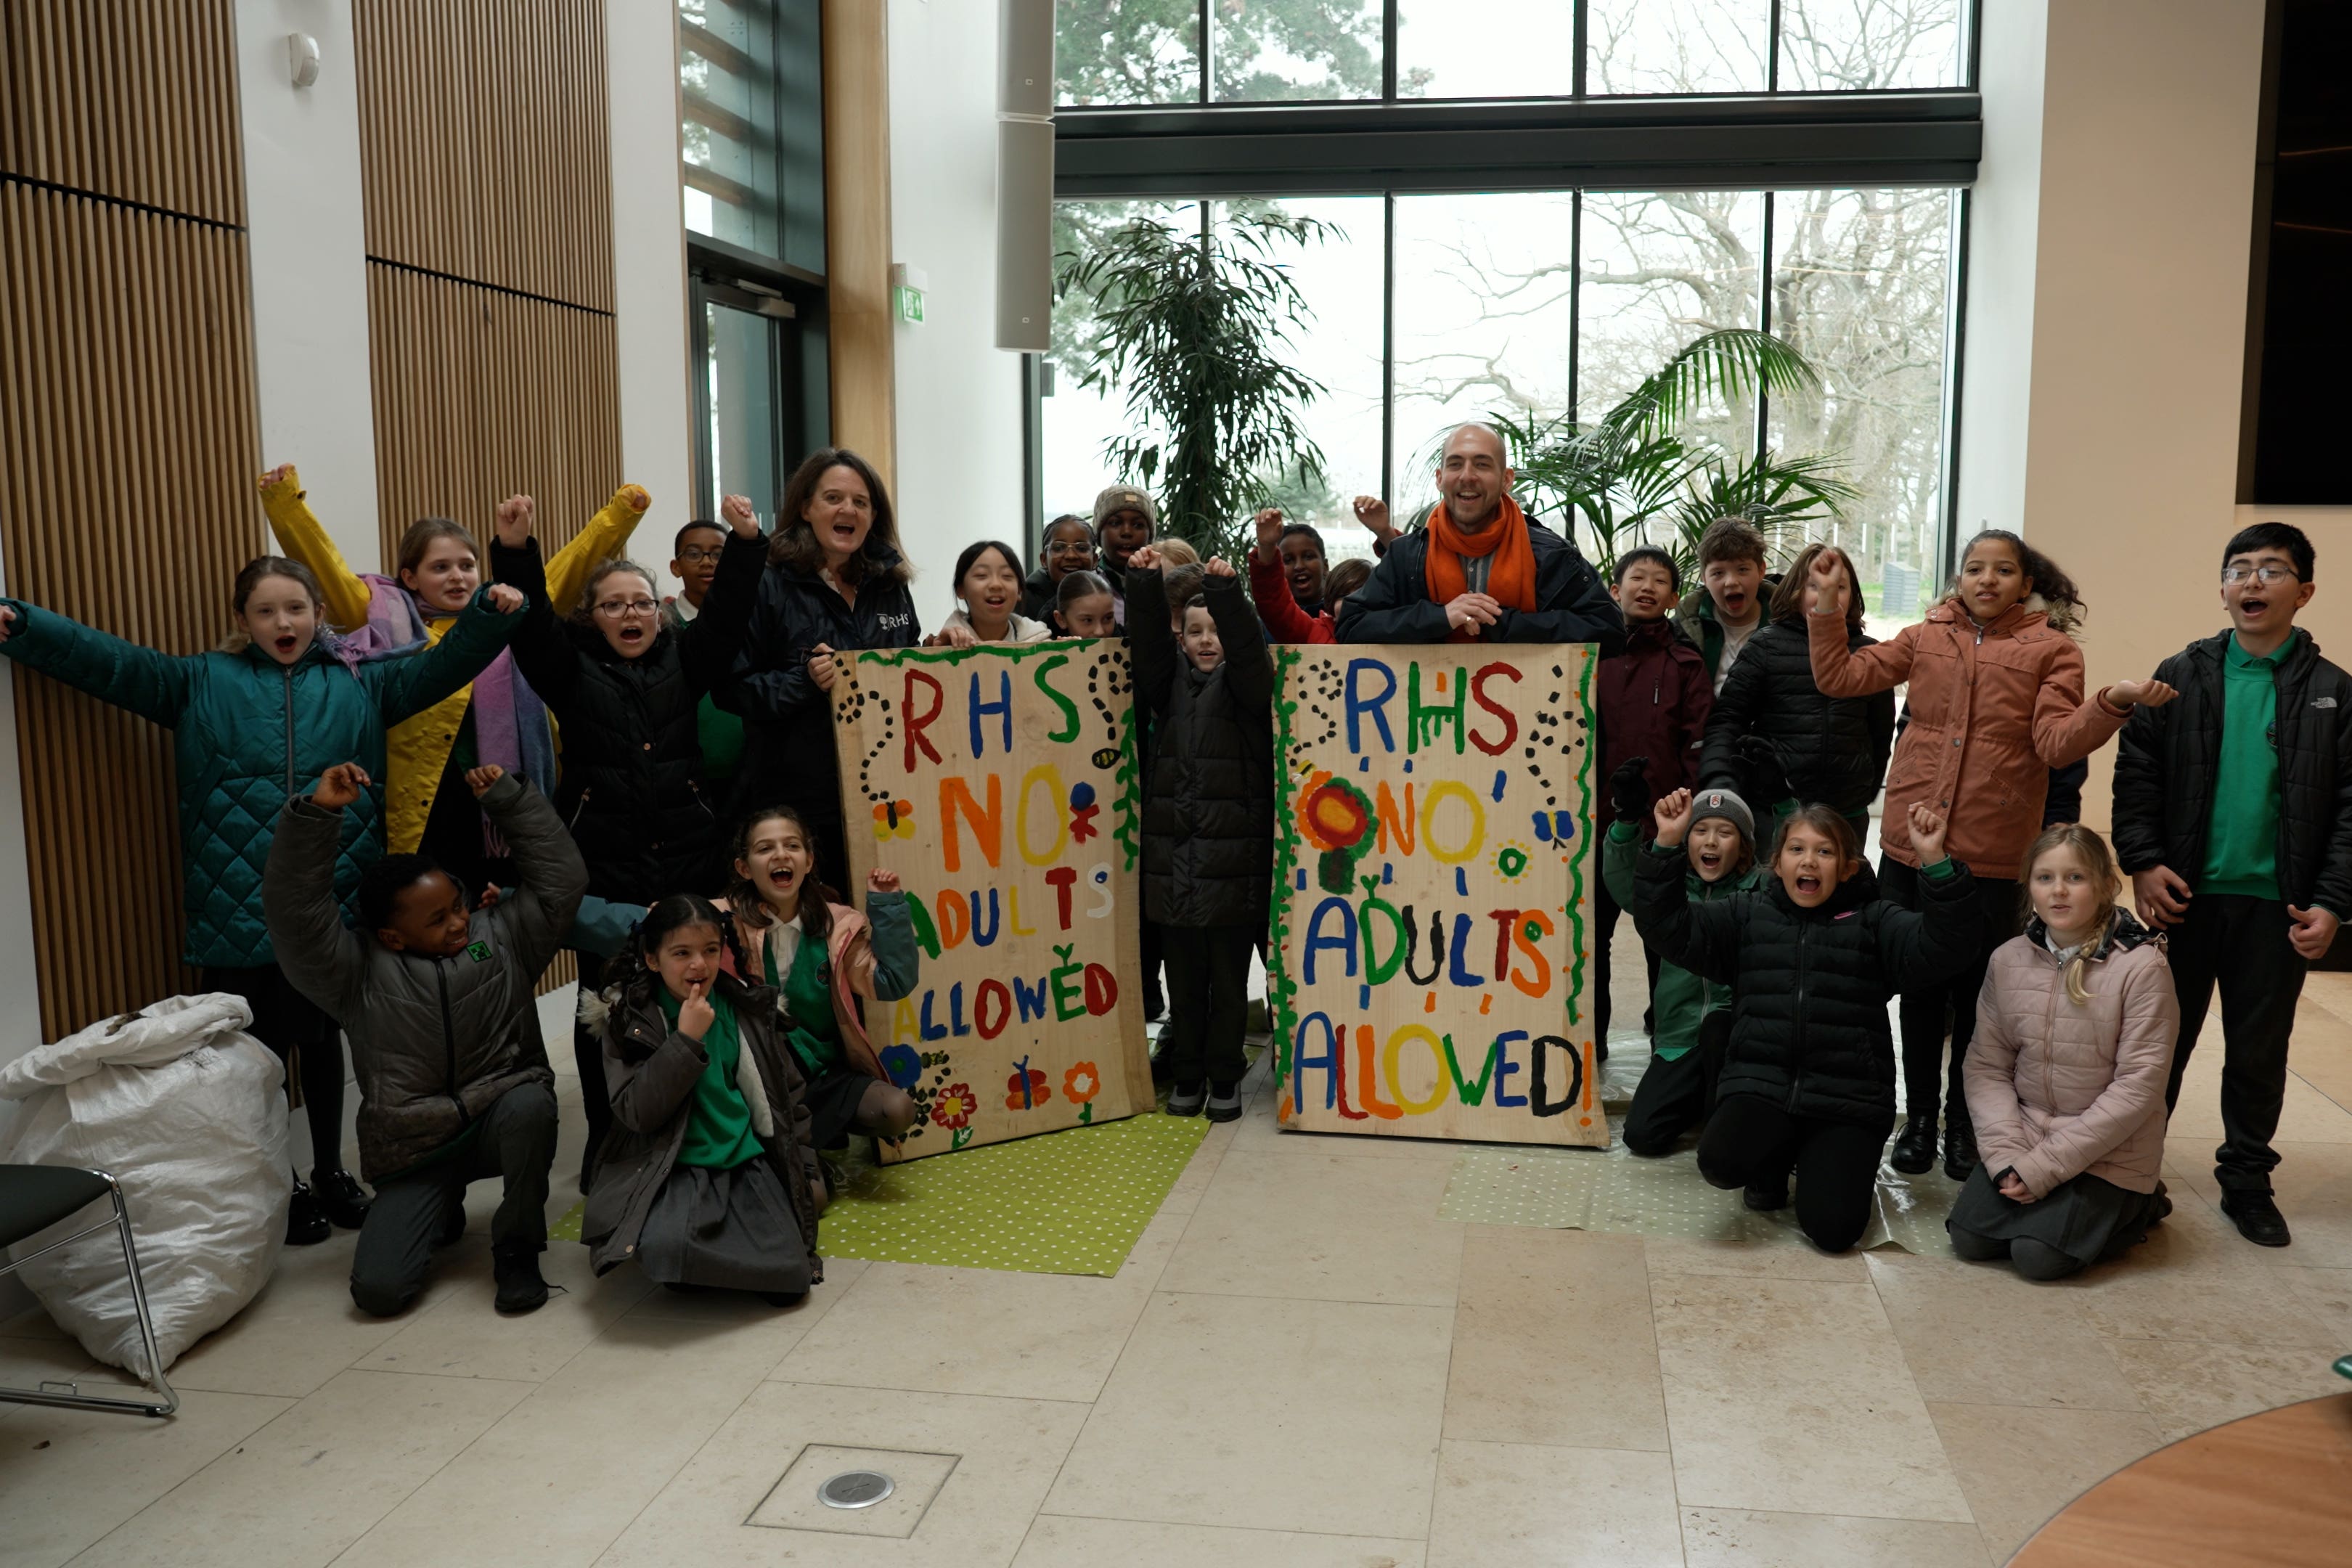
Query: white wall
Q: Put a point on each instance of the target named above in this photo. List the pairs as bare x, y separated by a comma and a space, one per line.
2108, 255
307, 241
649, 268
959, 396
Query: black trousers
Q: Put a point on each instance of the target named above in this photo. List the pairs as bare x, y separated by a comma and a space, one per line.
1604, 921
512, 1140
2240, 944
1208, 1002
1675, 1096
1750, 1140
1928, 1085
295, 1028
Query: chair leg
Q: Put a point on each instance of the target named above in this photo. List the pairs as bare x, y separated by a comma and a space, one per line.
68, 1396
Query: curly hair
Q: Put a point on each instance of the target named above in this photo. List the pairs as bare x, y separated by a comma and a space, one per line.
750, 911
795, 543
2066, 609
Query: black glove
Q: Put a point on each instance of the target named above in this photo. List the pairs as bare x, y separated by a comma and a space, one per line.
1768, 781
1629, 788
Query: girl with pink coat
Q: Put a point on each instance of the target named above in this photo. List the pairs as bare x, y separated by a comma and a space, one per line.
2075, 1027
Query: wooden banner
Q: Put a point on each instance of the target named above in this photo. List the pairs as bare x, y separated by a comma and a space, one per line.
999, 783
1434, 875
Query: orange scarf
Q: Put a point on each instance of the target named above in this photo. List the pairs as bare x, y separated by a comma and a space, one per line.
1511, 583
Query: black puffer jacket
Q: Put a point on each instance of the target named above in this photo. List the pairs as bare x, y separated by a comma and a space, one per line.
1039, 595
788, 744
1208, 812
1573, 604
2167, 758
1834, 749
632, 792
1809, 1027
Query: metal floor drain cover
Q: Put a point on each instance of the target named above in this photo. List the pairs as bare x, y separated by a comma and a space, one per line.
855, 1488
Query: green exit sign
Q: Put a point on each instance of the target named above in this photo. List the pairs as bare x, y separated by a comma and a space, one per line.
908, 303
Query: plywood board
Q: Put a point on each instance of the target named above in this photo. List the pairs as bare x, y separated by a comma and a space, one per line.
1433, 876
999, 783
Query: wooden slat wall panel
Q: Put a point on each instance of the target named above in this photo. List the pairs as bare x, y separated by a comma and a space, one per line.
125, 99
484, 134
128, 448
480, 396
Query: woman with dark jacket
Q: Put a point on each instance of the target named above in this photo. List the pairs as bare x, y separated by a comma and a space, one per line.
836, 582
1834, 749
711, 1180
1208, 818
1807, 1084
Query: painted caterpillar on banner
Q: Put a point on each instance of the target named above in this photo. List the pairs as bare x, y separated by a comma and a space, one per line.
1432, 877
999, 783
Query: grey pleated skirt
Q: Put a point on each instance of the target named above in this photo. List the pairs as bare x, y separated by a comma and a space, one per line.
733, 1230
2088, 1218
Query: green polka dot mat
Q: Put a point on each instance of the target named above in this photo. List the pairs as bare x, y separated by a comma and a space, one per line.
1612, 1191
1074, 1202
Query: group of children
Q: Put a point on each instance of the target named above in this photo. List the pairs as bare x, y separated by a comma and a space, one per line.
401, 796
1999, 923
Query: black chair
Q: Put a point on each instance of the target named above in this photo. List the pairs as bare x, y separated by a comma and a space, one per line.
32, 1199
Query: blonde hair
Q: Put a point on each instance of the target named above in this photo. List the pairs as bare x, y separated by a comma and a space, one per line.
1174, 551
2100, 862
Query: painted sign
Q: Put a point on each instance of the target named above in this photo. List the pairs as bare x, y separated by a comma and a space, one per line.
999, 783
1433, 875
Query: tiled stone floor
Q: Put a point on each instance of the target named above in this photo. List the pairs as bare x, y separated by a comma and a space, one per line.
1300, 1365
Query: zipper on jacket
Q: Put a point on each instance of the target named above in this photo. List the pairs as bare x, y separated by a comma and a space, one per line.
695, 789
449, 1037
1796, 1016
288, 671
578, 806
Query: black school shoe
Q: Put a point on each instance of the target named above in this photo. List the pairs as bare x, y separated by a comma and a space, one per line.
1187, 1098
1224, 1102
341, 1198
306, 1221
1960, 1151
521, 1288
2257, 1218
1915, 1146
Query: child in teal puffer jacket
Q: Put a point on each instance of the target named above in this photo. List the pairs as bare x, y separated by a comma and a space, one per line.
256, 723
1693, 1015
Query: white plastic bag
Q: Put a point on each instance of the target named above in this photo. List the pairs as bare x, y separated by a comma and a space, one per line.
188, 1111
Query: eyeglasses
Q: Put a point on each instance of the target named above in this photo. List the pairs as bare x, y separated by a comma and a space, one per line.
2269, 576
1065, 547
694, 557
616, 609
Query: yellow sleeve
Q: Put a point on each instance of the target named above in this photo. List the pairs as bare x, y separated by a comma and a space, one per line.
606, 535
301, 536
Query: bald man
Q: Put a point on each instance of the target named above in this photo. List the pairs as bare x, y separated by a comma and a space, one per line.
1482, 571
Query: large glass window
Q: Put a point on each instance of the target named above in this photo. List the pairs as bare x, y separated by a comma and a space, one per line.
727, 74
1533, 309
1127, 52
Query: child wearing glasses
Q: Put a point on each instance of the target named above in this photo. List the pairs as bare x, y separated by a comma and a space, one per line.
694, 561
2233, 818
1069, 546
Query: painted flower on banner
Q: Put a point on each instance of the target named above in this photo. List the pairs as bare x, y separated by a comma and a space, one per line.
1336, 818
1080, 1084
955, 1107
902, 1064
894, 819
1084, 809
1026, 1089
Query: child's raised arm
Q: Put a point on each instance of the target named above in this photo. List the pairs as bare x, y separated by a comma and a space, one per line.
1277, 606
1838, 671
322, 957
1150, 645
542, 650
155, 686
1249, 672
711, 643
606, 535
551, 876
1929, 946
894, 964
408, 684
302, 537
